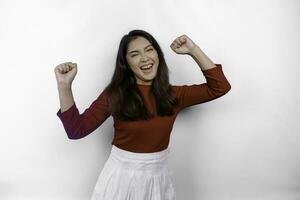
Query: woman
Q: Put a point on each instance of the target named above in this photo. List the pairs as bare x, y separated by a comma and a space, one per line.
144, 106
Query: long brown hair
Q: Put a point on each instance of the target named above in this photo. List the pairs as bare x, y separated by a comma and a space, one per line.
125, 100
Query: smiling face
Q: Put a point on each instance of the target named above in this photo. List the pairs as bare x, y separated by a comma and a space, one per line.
140, 56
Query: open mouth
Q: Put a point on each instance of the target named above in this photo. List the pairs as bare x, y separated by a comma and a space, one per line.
147, 68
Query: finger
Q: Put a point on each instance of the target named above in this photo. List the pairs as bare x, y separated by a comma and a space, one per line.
60, 68
56, 69
64, 68
67, 64
68, 67
176, 44
172, 46
73, 65
182, 40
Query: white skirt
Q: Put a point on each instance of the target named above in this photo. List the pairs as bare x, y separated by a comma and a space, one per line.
135, 176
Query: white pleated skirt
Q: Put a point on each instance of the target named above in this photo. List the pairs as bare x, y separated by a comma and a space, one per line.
135, 176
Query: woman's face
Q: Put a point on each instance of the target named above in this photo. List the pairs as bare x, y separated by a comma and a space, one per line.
141, 55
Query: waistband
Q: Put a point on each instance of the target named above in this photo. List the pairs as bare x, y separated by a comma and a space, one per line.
133, 160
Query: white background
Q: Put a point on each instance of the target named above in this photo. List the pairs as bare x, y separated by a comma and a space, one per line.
244, 145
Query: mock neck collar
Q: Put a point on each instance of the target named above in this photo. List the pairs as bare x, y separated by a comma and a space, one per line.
144, 88
140, 85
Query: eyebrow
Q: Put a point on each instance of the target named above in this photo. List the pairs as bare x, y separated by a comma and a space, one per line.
144, 48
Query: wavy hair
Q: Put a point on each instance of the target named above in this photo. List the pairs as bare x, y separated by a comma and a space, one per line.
125, 100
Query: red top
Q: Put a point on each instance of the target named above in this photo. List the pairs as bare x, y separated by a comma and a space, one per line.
144, 136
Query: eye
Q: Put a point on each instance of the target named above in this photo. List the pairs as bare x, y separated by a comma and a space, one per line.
150, 49
133, 55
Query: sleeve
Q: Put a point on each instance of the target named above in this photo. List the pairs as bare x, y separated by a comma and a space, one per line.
79, 125
216, 86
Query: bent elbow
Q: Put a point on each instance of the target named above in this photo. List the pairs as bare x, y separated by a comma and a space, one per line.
75, 135
72, 137
228, 88
223, 91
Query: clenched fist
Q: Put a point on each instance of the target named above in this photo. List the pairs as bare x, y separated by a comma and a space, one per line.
183, 45
65, 73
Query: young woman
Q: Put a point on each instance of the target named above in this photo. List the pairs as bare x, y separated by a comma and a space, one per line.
144, 106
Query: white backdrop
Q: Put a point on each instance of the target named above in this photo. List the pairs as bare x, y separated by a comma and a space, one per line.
244, 145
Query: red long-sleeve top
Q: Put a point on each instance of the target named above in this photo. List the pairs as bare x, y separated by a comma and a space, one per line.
144, 136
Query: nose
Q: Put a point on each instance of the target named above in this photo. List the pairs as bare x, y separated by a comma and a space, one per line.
144, 57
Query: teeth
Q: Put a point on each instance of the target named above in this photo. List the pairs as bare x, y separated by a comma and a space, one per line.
147, 66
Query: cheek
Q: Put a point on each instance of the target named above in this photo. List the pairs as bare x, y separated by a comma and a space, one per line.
133, 63
155, 56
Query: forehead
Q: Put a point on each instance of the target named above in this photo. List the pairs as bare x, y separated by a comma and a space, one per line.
139, 42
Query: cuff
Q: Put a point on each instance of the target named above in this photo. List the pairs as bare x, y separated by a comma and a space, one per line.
212, 70
66, 113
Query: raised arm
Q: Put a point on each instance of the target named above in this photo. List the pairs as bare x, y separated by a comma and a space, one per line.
216, 86
79, 125
216, 83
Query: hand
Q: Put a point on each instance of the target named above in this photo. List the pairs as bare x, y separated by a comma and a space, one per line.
65, 73
183, 45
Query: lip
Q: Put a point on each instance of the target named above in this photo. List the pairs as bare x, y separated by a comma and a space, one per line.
146, 65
